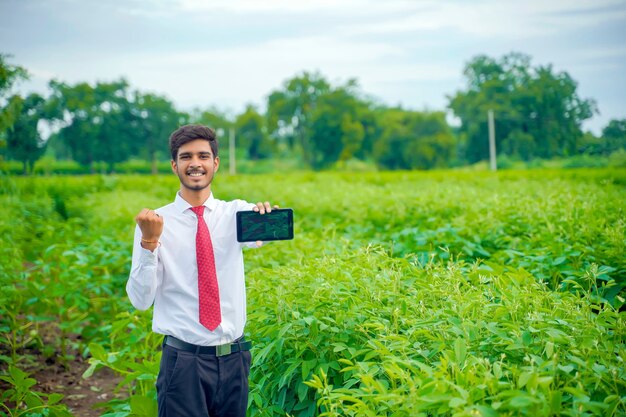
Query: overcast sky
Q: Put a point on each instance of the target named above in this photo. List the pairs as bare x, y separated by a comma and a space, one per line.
227, 53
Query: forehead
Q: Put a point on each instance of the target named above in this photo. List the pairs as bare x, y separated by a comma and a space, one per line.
196, 146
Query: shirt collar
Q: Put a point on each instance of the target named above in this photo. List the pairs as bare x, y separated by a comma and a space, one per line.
182, 205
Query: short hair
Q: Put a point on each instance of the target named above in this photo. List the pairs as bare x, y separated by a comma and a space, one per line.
188, 133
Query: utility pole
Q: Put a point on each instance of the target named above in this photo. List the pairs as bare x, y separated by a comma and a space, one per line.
231, 152
492, 141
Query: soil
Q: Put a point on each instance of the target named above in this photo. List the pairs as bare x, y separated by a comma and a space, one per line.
82, 396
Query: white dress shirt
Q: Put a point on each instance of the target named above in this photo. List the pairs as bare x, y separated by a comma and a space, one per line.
168, 277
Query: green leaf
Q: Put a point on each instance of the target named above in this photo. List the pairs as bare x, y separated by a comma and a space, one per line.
521, 402
54, 398
456, 402
307, 366
143, 406
98, 352
93, 365
302, 391
460, 351
523, 379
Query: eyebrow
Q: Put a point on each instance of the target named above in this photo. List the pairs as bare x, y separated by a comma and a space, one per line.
191, 153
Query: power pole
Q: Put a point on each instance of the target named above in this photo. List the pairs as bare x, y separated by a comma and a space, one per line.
492, 141
231, 152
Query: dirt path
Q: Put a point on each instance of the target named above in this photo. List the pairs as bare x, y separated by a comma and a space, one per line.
81, 395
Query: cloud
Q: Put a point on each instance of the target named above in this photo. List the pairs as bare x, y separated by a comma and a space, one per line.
231, 77
229, 52
491, 18
353, 7
244, 72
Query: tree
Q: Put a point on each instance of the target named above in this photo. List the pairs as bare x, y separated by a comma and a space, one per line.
414, 140
117, 137
614, 135
289, 111
214, 118
252, 134
537, 113
553, 112
9, 108
107, 122
369, 115
217, 120
326, 124
24, 142
336, 132
98, 124
156, 119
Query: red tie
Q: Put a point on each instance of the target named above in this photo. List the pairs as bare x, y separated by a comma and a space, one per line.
208, 290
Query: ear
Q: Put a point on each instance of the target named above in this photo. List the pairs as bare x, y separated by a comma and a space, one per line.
216, 164
174, 166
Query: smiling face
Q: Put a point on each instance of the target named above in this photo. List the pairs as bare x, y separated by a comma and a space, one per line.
195, 165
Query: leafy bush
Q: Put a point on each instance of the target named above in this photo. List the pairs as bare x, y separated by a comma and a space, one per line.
21, 400
11, 167
585, 161
409, 293
618, 159
136, 166
49, 166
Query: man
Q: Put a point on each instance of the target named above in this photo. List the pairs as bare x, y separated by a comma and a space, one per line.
188, 263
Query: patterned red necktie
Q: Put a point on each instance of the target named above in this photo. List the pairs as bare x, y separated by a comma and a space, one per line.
208, 290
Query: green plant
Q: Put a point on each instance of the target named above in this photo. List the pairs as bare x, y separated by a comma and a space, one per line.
21, 400
408, 293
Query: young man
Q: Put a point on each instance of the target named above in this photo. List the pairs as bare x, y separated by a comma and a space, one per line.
188, 263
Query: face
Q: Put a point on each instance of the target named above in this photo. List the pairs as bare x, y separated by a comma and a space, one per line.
195, 165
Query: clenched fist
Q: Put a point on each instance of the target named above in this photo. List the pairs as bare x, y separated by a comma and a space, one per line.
151, 225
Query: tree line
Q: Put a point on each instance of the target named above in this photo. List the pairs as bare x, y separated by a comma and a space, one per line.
539, 114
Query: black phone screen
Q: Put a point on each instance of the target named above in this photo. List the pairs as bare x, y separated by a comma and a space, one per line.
276, 225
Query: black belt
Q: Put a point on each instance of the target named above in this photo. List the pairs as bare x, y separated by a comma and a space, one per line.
238, 345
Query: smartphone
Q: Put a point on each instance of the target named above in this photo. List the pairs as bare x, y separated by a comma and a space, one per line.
275, 225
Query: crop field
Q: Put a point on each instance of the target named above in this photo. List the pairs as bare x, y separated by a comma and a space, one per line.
446, 293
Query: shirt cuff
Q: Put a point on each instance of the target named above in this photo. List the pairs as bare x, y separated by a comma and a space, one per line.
148, 257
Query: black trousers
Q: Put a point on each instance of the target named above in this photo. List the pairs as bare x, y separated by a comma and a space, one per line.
202, 385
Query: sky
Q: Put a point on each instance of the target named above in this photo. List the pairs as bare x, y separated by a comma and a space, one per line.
229, 53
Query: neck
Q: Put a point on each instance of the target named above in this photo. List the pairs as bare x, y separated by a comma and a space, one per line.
195, 197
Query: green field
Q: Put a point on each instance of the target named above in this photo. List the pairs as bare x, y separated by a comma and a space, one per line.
451, 293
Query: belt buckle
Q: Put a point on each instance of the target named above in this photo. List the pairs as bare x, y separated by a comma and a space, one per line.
223, 350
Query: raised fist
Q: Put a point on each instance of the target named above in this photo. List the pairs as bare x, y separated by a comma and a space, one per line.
151, 225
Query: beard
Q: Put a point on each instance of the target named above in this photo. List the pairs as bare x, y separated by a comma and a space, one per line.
194, 187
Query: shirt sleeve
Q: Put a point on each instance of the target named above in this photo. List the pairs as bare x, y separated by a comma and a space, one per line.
142, 282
